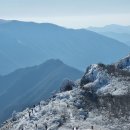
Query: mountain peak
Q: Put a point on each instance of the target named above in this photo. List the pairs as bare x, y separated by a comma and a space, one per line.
54, 61
99, 99
32, 84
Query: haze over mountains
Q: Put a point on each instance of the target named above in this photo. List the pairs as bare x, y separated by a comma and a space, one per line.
118, 32
25, 44
28, 86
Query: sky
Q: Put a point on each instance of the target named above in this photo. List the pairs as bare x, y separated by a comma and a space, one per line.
68, 13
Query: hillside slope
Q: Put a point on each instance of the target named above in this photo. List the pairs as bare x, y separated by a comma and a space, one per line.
26, 87
99, 101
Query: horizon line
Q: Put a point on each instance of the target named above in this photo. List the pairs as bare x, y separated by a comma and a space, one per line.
61, 25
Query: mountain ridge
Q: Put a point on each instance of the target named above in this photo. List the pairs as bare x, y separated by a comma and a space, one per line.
100, 100
32, 84
118, 32
40, 42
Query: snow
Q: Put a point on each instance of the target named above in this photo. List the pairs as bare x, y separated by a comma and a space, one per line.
103, 83
66, 110
54, 114
124, 63
97, 76
59, 114
115, 87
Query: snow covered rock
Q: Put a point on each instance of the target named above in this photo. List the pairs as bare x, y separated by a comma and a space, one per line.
100, 100
124, 63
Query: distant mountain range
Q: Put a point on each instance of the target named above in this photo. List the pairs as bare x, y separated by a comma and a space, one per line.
28, 86
118, 32
25, 44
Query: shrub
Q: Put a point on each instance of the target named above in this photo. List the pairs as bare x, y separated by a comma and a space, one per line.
67, 85
14, 118
101, 65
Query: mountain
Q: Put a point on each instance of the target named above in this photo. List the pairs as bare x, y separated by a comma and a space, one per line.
25, 44
118, 32
4, 21
100, 101
128, 42
112, 28
28, 86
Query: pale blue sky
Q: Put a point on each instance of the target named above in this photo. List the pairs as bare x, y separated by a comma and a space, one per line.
70, 13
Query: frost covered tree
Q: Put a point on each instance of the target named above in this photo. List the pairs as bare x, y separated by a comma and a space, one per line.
14, 118
67, 85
